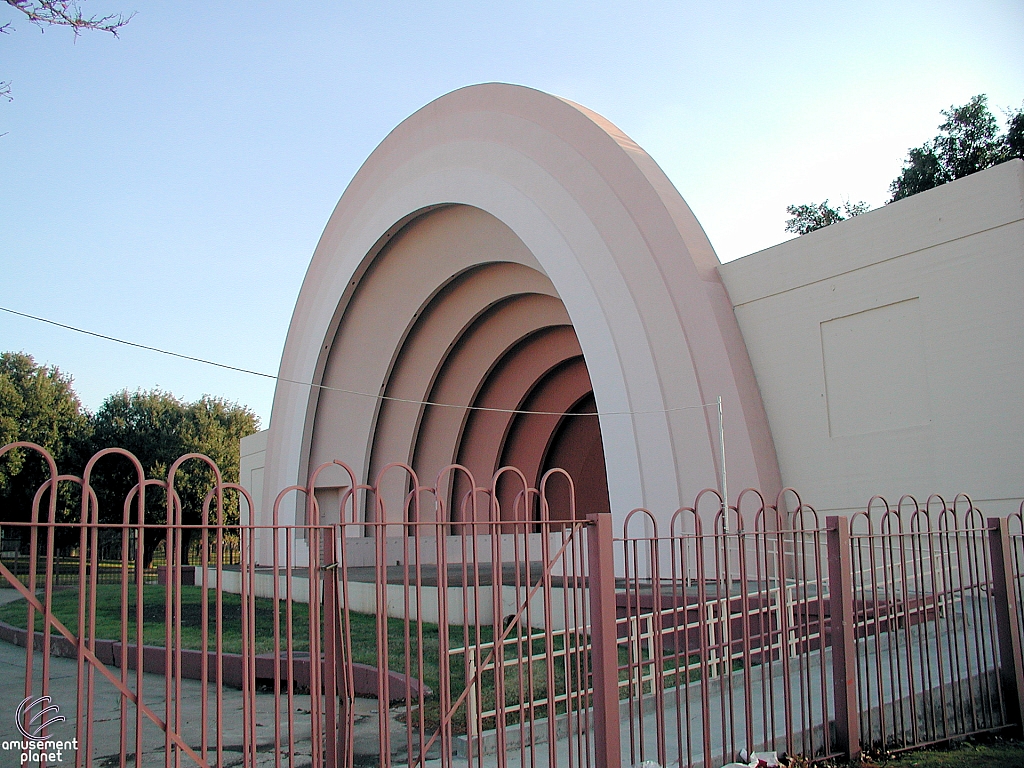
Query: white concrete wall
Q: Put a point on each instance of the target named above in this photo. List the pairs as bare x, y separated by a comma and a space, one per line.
889, 349
250, 470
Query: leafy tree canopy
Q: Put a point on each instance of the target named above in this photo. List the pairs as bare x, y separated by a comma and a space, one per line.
158, 428
968, 141
37, 404
807, 218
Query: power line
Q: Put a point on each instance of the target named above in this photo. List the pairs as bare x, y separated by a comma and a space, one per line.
323, 387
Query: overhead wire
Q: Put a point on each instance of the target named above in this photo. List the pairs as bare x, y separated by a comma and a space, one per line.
355, 393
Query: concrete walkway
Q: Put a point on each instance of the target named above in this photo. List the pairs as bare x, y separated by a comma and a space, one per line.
105, 716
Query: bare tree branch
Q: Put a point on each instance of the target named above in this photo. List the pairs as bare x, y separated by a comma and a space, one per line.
60, 13
66, 13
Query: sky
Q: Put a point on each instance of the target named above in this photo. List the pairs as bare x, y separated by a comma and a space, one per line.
168, 187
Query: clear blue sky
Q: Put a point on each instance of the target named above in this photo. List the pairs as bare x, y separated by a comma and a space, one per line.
169, 187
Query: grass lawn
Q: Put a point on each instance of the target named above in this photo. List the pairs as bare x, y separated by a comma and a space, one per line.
984, 754
108, 624
108, 617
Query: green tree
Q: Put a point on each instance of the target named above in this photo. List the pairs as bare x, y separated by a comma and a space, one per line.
969, 141
807, 218
39, 405
1014, 140
157, 428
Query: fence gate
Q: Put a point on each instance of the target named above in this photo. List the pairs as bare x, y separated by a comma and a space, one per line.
381, 625
127, 653
480, 610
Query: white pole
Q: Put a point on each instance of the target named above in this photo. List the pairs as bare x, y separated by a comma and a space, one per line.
721, 447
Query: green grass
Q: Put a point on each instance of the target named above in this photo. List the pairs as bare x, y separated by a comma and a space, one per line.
108, 617
363, 628
985, 754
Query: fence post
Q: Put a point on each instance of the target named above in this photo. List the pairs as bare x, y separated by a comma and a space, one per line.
844, 660
337, 737
1007, 603
603, 634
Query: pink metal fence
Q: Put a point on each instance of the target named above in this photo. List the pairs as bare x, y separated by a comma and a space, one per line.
925, 614
725, 623
763, 629
400, 623
450, 632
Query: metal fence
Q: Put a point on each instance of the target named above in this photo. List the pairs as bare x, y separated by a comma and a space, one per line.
422, 625
15, 556
726, 629
925, 615
776, 630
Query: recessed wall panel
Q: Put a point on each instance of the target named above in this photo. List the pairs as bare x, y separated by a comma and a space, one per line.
875, 376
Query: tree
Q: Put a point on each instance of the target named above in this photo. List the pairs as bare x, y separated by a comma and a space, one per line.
807, 218
968, 142
38, 404
158, 428
61, 13
1014, 139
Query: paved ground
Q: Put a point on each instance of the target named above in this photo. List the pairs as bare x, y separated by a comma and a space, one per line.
105, 716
